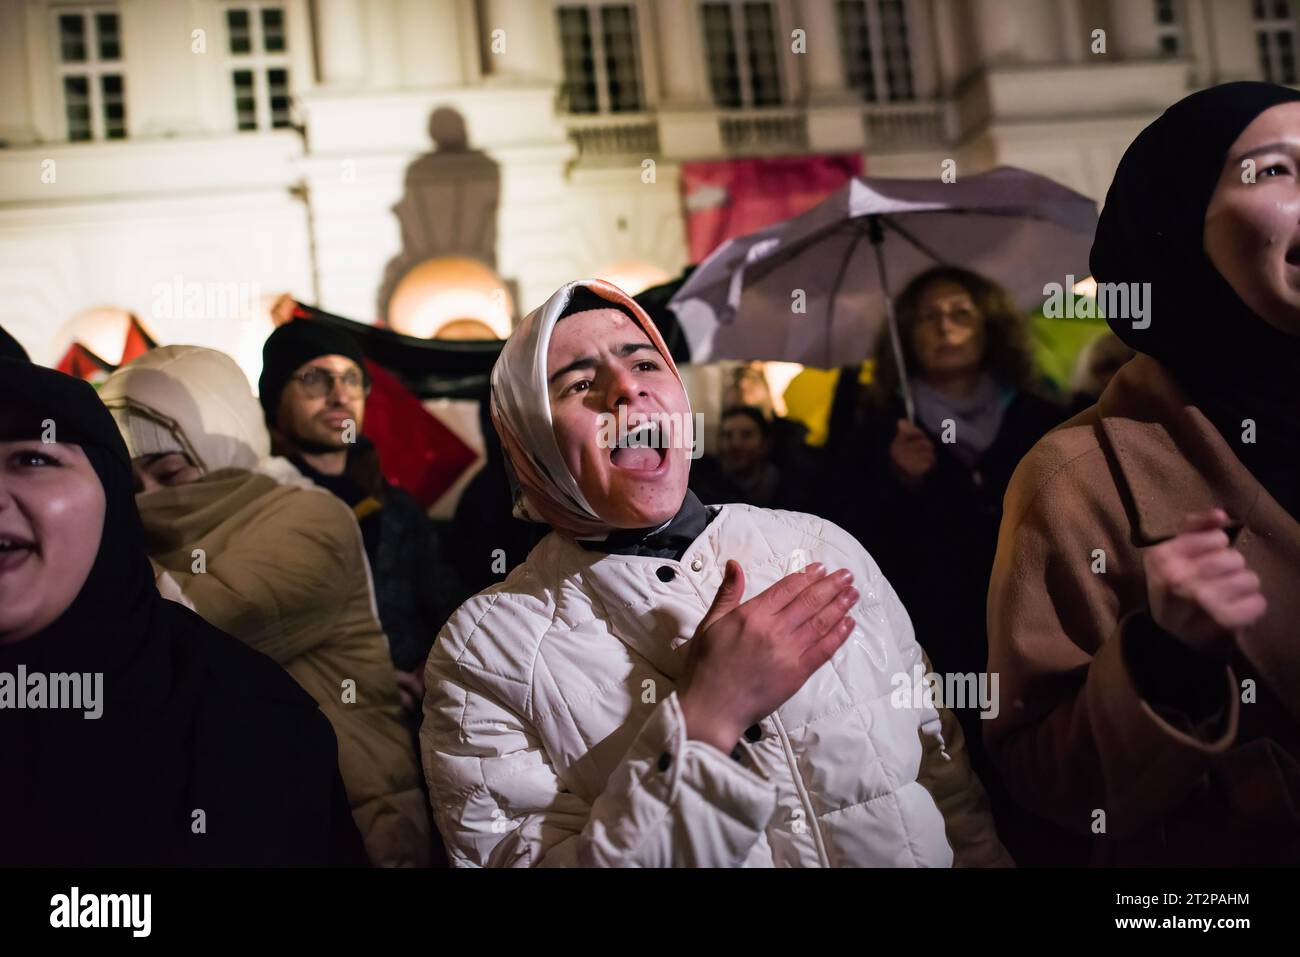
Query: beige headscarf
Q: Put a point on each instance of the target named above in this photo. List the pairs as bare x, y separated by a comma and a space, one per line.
545, 489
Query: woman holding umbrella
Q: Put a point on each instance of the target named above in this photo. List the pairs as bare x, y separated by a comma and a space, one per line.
925, 497
666, 684
1143, 605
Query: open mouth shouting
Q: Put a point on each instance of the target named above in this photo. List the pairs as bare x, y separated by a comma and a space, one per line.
641, 448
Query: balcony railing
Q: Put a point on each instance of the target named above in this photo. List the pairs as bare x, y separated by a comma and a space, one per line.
761, 131
613, 134
895, 127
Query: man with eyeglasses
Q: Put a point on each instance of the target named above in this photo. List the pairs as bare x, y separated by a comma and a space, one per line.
313, 389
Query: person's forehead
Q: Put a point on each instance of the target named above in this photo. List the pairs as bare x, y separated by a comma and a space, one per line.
1277, 122
945, 292
591, 333
332, 363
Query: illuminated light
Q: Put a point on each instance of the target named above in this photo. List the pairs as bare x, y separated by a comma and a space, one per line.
1087, 286
451, 297
101, 330
779, 375
633, 278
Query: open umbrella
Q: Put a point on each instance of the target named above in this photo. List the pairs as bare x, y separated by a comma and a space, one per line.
814, 289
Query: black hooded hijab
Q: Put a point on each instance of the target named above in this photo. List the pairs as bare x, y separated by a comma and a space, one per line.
191, 721
1233, 364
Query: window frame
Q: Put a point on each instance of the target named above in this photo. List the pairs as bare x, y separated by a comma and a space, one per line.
257, 61
596, 24
740, 42
1175, 29
879, 52
92, 68
1267, 28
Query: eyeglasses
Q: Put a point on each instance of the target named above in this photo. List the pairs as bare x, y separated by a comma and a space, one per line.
963, 316
318, 383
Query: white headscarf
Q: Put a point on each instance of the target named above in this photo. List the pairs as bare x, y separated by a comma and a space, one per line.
546, 490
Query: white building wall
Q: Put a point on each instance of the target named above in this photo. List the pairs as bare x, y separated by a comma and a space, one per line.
1002, 81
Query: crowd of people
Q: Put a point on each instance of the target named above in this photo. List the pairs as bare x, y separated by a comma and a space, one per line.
617, 655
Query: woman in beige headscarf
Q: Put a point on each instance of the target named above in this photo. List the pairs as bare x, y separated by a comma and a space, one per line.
277, 564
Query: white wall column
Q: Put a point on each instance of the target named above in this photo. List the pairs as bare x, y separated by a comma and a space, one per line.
525, 51
382, 51
683, 78
1075, 39
823, 64
429, 42
1133, 36
341, 42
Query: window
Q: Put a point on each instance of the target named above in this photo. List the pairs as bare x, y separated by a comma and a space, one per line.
258, 44
874, 45
90, 73
602, 72
1275, 40
740, 42
1169, 27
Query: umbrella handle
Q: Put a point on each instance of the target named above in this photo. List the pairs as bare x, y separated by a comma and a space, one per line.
876, 235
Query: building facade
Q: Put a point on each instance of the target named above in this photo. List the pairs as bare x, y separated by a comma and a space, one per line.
184, 159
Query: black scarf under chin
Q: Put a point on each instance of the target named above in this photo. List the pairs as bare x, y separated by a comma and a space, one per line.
1233, 365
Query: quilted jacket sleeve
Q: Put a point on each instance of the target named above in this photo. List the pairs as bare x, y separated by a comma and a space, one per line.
499, 802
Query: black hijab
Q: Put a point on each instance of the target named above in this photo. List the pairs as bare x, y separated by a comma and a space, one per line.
1232, 364
190, 718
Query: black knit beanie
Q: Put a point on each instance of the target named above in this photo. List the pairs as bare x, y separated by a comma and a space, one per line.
294, 344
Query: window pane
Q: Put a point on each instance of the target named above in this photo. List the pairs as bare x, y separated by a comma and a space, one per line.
619, 24
110, 45
112, 91
237, 26
245, 104
72, 37
577, 50
855, 47
277, 84
720, 45
1286, 57
764, 72
1169, 45
1165, 11
76, 105
1282, 9
273, 29
898, 57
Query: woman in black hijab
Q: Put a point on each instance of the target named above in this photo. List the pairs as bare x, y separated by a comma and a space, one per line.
174, 744
1143, 605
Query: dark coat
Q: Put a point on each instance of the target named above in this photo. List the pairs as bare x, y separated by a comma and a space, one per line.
415, 588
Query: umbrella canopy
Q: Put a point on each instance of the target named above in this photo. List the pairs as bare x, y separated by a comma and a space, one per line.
815, 289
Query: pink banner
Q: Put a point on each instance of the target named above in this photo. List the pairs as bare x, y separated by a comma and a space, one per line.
729, 198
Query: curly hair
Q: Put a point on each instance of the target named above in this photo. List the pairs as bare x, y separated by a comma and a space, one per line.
1008, 349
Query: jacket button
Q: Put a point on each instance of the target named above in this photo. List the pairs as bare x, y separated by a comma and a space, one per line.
665, 759
665, 574
753, 733
696, 565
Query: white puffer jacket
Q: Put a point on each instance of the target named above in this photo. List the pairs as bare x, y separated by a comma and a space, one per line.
553, 736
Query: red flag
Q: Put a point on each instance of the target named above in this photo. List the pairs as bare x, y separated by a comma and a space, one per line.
81, 363
417, 451
138, 341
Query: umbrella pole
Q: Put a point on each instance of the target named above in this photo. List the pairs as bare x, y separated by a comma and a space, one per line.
877, 237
